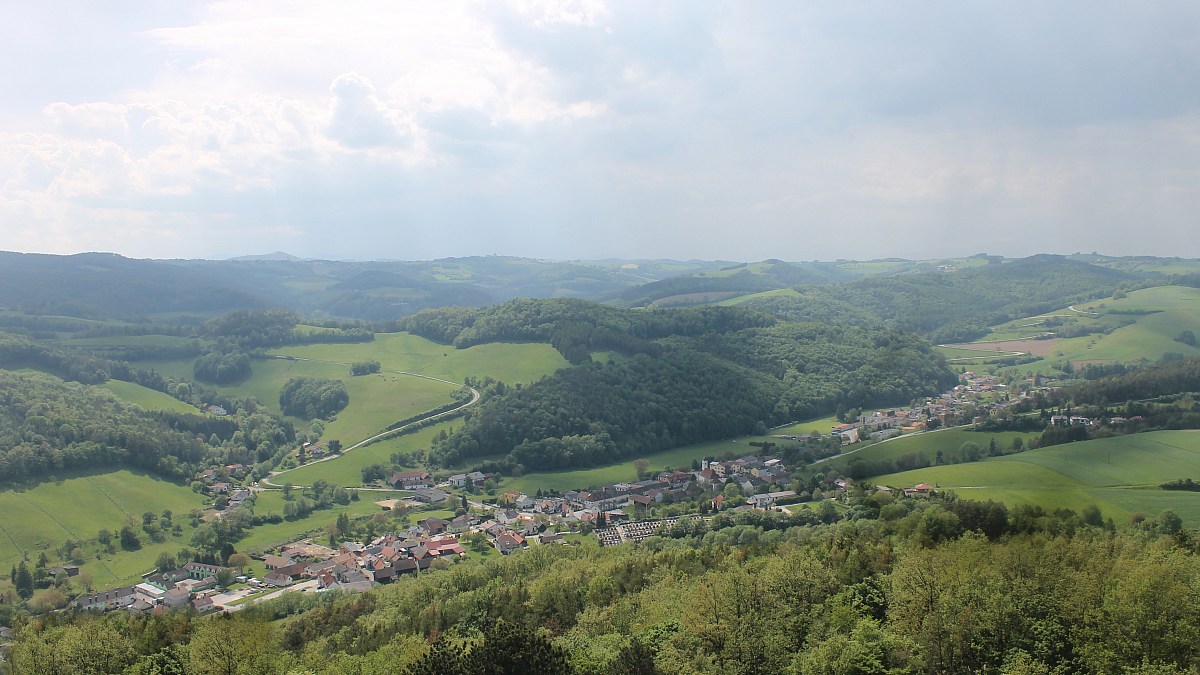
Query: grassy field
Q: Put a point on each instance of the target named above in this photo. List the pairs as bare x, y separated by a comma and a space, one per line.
148, 398
676, 458
1158, 316
785, 292
507, 362
272, 535
347, 469
381, 399
820, 425
375, 400
946, 440
42, 518
1120, 475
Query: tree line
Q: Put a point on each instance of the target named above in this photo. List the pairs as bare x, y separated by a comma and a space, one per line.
895, 585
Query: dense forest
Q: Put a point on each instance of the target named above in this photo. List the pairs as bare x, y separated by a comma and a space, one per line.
902, 585
48, 426
100, 431
1173, 377
953, 306
684, 376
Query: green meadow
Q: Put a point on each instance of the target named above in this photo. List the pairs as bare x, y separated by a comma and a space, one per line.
381, 399
820, 425
1120, 475
375, 400
1155, 317
929, 443
133, 340
346, 469
403, 352
43, 517
784, 292
147, 398
270, 535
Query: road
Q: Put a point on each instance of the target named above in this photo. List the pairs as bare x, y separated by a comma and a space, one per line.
267, 482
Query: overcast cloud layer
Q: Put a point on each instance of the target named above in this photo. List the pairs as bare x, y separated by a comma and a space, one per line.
587, 129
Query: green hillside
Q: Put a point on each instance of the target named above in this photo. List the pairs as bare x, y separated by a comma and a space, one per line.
946, 441
378, 400
42, 518
1121, 475
347, 469
147, 398
1142, 325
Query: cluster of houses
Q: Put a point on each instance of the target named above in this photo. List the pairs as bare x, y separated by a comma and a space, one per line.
976, 392
193, 584
420, 484
1073, 421
524, 516
222, 481
356, 566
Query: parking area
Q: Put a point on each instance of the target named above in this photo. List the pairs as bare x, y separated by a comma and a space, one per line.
224, 599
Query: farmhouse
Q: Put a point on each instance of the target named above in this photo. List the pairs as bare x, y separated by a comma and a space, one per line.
105, 600
508, 542
408, 480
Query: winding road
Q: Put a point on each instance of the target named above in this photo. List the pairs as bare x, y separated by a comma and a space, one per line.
268, 483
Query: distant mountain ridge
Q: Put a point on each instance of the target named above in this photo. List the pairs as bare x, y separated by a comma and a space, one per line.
277, 255
110, 286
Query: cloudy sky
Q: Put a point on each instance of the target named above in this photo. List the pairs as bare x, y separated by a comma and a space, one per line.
586, 129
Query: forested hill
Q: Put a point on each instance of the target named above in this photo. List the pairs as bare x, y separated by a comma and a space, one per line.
678, 377
742, 278
49, 426
103, 286
956, 305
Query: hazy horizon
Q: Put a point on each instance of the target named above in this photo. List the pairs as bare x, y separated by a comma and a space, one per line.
585, 129
250, 257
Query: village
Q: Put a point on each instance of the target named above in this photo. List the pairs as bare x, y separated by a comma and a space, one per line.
512, 521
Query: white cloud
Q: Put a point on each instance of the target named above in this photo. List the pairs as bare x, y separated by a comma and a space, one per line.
573, 128
359, 119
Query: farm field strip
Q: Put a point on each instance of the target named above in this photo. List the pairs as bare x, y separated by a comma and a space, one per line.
1142, 325
1120, 474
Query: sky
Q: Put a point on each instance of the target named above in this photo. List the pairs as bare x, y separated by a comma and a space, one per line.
586, 129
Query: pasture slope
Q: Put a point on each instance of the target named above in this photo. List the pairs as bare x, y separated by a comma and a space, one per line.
1120, 475
1153, 318
377, 401
148, 398
392, 394
78, 507
947, 441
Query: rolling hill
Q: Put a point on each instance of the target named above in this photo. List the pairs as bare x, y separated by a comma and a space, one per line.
1121, 475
